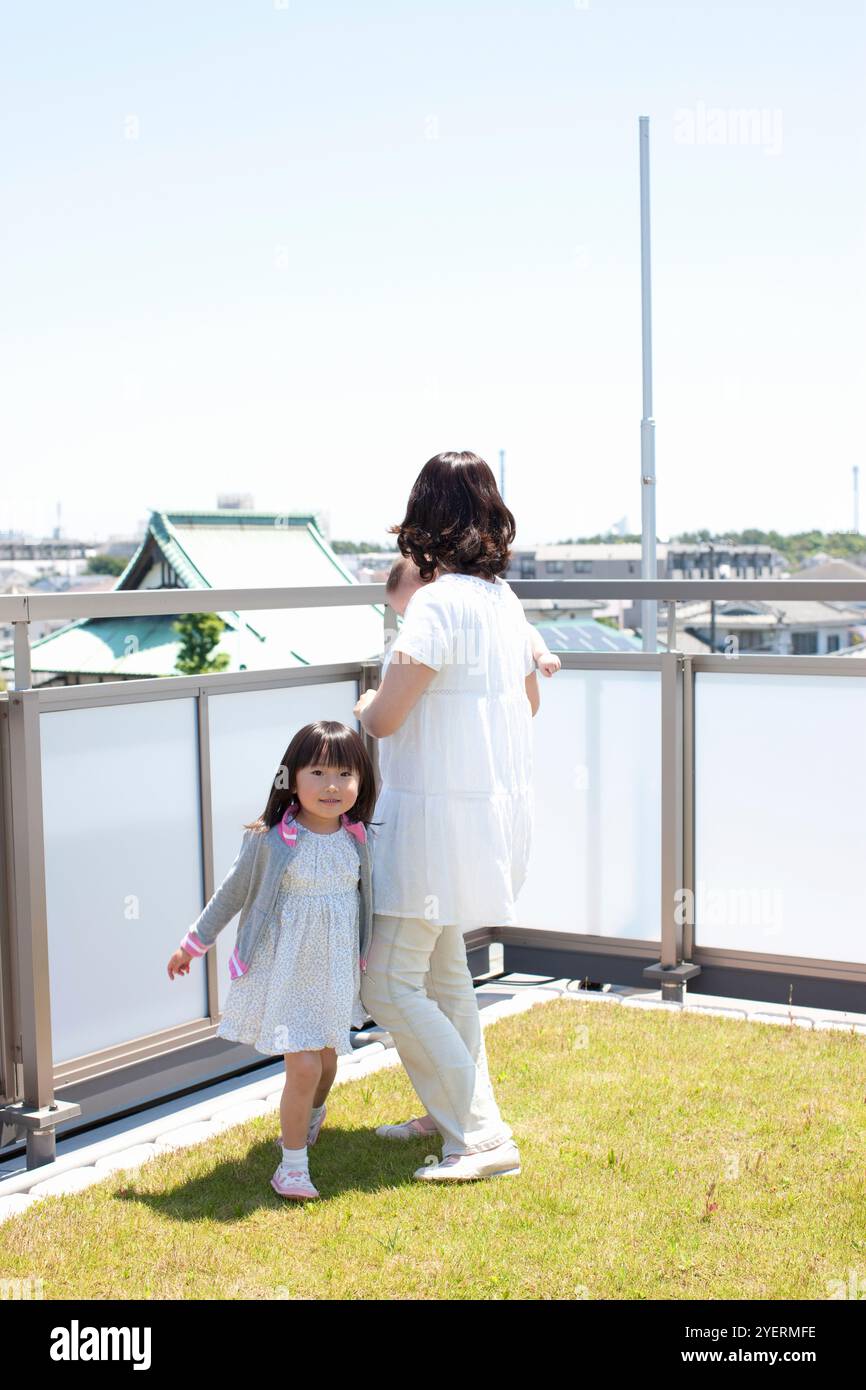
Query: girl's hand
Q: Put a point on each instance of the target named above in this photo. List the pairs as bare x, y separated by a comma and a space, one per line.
179, 963
363, 702
548, 663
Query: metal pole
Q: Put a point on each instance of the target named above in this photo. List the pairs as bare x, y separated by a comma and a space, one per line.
649, 608
502, 474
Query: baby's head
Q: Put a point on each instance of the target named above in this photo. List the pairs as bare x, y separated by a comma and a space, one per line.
402, 582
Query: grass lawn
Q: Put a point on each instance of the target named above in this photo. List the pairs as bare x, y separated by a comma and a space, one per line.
664, 1155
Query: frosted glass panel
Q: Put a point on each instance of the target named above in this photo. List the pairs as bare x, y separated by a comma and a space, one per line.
122, 867
249, 733
594, 864
780, 814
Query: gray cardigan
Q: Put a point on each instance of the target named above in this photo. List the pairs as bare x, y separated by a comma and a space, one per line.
251, 885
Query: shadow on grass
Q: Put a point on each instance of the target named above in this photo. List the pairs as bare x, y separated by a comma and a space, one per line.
341, 1161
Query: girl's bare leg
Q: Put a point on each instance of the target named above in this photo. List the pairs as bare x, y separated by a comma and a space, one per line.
303, 1077
329, 1072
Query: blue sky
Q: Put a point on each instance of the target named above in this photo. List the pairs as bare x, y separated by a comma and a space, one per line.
296, 249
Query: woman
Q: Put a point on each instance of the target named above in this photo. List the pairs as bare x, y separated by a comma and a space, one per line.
453, 711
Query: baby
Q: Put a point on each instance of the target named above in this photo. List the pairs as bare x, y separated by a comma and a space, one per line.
404, 580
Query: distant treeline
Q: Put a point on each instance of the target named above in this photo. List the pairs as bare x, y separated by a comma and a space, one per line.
360, 547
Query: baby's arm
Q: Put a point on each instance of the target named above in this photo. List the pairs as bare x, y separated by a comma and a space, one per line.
225, 903
544, 659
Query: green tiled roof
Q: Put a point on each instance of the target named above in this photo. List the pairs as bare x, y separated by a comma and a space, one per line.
221, 549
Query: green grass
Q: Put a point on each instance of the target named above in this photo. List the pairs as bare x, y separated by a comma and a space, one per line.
665, 1155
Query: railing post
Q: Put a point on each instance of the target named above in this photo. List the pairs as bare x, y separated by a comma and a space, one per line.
672, 807
689, 806
21, 650
369, 680
206, 822
672, 624
38, 1113
670, 972
389, 628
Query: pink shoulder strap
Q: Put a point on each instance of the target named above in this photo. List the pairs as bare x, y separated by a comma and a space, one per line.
289, 829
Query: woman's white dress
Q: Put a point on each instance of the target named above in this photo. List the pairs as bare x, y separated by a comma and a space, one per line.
456, 793
301, 991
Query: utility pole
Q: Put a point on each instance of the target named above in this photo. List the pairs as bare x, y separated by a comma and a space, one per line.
649, 569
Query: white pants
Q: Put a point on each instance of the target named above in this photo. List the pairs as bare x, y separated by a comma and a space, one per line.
434, 1021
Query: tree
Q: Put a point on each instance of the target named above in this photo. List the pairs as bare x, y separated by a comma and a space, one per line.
360, 548
106, 564
200, 633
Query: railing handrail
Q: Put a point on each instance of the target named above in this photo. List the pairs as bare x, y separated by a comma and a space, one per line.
125, 603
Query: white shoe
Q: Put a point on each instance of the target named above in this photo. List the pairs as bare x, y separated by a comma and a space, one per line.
501, 1162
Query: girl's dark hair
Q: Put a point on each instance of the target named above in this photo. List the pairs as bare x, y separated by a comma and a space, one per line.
456, 518
332, 744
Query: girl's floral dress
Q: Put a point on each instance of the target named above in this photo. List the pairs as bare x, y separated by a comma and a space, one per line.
301, 991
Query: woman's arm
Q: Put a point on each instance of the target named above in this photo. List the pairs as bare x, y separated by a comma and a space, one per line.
532, 692
402, 686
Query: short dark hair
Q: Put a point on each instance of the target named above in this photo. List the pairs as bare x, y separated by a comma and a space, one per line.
456, 518
334, 745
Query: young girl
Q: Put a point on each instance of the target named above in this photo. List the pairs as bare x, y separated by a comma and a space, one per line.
304, 930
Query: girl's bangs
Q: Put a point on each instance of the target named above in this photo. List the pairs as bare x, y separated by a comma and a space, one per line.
331, 752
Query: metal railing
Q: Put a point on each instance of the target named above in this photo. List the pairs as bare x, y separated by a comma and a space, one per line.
667, 957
